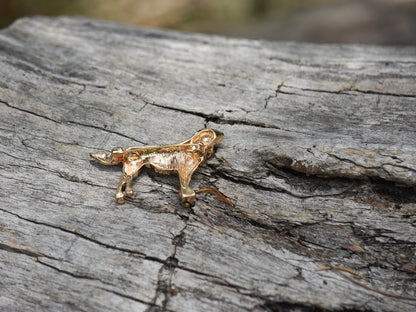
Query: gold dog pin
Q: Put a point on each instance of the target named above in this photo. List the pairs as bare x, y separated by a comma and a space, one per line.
183, 158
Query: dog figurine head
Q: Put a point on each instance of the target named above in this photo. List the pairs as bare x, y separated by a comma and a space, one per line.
206, 139
116, 156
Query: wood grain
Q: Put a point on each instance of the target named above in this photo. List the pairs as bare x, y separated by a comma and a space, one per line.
320, 147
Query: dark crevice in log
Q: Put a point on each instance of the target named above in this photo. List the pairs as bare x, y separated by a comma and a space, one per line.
281, 306
117, 293
38, 257
78, 276
276, 92
379, 167
25, 142
221, 120
165, 289
366, 189
19, 250
348, 90
71, 122
345, 168
80, 235
242, 179
103, 129
58, 173
215, 279
28, 112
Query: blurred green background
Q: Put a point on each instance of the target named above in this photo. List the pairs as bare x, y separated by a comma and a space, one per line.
332, 21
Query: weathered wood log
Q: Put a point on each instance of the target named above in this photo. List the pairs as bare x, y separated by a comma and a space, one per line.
320, 149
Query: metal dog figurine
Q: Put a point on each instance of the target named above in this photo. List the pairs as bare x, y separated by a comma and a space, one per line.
183, 158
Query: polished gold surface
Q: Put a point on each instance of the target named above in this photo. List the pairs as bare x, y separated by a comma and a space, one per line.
183, 158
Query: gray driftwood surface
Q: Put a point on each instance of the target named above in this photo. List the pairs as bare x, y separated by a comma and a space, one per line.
320, 147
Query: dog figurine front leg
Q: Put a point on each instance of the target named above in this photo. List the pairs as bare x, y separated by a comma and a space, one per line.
124, 188
185, 192
120, 196
188, 195
130, 171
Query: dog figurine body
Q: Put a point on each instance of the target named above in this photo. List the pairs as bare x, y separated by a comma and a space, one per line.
183, 158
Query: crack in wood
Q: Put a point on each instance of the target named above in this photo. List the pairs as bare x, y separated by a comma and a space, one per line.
28, 112
276, 92
165, 290
257, 184
117, 293
71, 122
103, 129
347, 90
22, 251
83, 236
58, 173
38, 256
78, 276
220, 120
